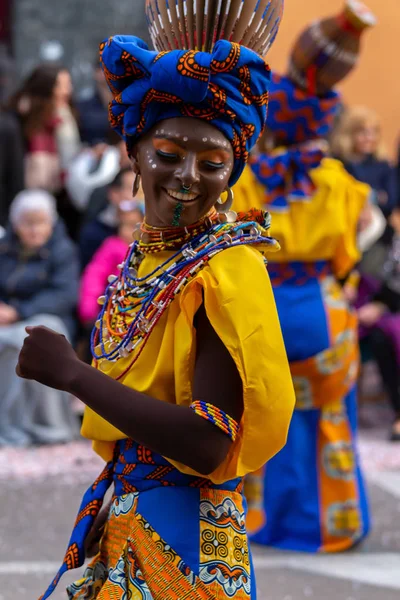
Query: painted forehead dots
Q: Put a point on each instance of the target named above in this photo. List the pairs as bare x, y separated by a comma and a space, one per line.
184, 138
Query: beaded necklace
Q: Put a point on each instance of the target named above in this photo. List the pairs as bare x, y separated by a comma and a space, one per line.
132, 305
154, 239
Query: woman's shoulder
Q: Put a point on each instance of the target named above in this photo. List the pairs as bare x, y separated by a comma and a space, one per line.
60, 243
113, 248
330, 167
333, 173
385, 166
114, 242
235, 257
236, 271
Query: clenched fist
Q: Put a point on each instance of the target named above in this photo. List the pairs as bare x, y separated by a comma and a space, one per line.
47, 357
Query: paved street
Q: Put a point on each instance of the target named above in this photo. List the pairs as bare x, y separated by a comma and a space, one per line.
40, 494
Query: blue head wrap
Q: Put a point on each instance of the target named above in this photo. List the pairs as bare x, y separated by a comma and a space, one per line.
294, 116
228, 88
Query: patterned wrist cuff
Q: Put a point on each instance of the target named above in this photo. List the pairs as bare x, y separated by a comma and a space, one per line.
217, 416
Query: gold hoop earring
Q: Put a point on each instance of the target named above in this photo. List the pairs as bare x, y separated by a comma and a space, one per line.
136, 185
226, 215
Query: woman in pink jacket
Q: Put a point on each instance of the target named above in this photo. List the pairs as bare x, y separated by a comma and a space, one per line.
104, 263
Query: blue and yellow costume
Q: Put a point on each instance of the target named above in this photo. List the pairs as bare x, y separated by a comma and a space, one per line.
172, 533
310, 497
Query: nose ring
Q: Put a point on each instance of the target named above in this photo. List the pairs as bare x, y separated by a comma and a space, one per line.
186, 188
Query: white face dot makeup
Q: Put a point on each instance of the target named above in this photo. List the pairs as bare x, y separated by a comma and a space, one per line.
170, 134
221, 176
185, 139
205, 139
154, 166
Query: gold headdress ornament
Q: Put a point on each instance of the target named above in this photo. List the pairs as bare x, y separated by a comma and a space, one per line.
199, 24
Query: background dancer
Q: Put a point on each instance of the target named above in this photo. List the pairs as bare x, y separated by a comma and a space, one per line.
311, 496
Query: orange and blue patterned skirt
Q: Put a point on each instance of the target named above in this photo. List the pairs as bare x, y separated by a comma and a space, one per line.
311, 497
168, 535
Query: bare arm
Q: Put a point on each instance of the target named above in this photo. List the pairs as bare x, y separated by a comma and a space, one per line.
176, 432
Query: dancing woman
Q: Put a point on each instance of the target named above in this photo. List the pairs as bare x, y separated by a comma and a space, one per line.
191, 388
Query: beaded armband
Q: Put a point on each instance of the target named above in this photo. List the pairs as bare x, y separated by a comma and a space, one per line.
217, 416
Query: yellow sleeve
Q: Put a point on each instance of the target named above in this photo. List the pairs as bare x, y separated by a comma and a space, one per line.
240, 305
248, 192
323, 227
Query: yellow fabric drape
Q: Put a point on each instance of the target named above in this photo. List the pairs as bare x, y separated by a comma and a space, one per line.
319, 228
240, 306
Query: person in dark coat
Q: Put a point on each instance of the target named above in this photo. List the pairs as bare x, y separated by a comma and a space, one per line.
357, 142
105, 222
93, 111
381, 176
11, 146
38, 286
378, 306
11, 162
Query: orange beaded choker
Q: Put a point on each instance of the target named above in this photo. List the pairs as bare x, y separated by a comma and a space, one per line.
156, 239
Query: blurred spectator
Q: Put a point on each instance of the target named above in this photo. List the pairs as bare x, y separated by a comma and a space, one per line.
378, 305
105, 224
91, 172
44, 106
38, 286
105, 261
93, 111
357, 142
7, 72
11, 149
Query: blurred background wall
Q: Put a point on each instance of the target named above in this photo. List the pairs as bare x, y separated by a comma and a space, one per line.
71, 30
376, 81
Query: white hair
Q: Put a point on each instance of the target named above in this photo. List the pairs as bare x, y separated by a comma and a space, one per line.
32, 201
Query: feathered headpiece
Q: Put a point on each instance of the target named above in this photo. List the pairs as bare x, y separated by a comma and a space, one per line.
199, 24
201, 68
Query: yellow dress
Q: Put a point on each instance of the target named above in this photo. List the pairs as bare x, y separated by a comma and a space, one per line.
240, 306
318, 228
311, 496
172, 533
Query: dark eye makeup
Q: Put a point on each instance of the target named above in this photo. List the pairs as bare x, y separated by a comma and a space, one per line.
213, 166
172, 157
167, 156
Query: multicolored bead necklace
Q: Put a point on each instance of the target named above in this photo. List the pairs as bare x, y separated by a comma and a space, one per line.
133, 305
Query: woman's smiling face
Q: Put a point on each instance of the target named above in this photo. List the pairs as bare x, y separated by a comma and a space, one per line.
185, 166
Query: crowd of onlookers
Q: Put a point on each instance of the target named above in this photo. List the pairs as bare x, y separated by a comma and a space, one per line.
374, 289
67, 214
